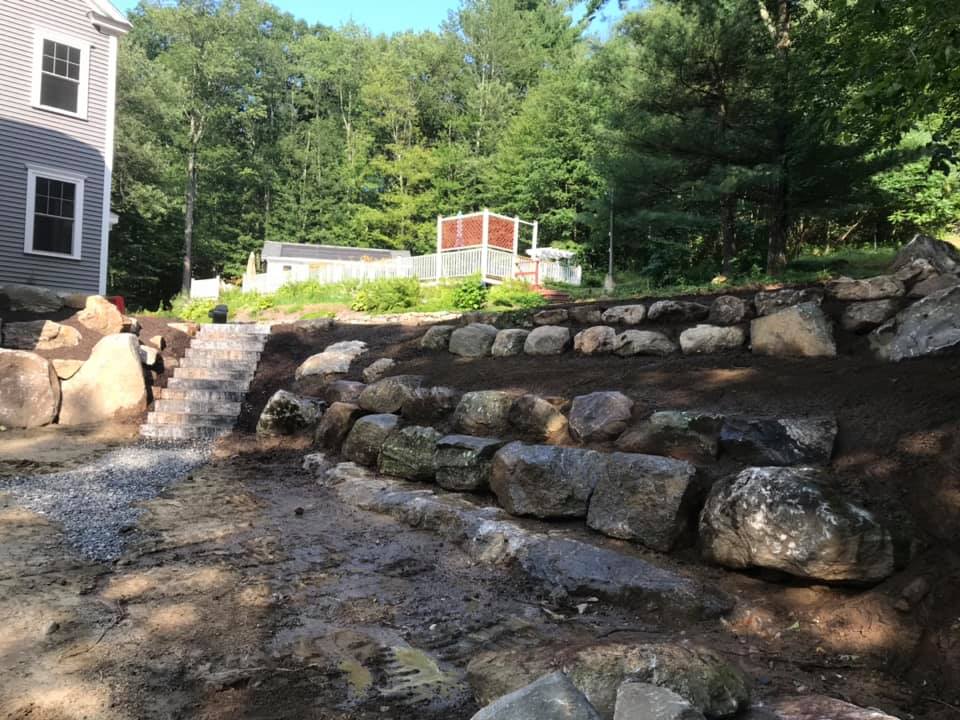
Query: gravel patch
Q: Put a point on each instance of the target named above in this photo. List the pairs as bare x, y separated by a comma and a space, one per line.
97, 503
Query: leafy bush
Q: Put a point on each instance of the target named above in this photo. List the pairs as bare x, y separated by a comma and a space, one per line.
470, 294
196, 310
388, 295
514, 294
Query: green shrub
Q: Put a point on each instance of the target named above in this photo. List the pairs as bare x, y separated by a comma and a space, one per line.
196, 310
514, 294
470, 293
388, 295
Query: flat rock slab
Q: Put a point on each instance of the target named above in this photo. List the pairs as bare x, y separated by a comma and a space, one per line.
788, 519
769, 302
865, 316
677, 311
928, 327
779, 441
819, 707
875, 288
562, 564
552, 697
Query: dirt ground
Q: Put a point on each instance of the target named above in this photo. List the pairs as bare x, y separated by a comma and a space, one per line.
250, 592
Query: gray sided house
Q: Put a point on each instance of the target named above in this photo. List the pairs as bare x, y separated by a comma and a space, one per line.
58, 70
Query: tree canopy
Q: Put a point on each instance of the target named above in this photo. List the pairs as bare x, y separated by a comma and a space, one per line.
726, 135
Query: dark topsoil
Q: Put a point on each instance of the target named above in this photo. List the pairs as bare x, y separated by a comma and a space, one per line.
896, 454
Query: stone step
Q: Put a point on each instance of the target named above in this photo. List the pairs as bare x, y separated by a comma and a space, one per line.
202, 407
202, 361
201, 396
208, 373
191, 419
234, 329
240, 342
186, 383
555, 560
181, 432
244, 354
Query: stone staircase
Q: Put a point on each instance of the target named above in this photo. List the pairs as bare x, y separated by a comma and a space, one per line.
203, 398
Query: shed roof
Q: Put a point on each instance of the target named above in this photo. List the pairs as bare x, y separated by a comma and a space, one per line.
298, 251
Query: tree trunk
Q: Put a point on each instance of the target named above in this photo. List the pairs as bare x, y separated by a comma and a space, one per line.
780, 210
191, 203
728, 229
779, 226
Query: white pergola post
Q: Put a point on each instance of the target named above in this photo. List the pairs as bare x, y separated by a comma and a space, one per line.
536, 232
485, 245
516, 246
439, 247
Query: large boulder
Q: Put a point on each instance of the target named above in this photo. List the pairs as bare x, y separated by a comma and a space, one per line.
779, 441
29, 390
377, 369
880, 287
288, 414
651, 702
463, 462
585, 314
39, 335
602, 415
772, 301
334, 360
509, 342
700, 676
537, 419
474, 340
110, 384
343, 391
943, 256
367, 436
928, 327
625, 314
547, 340
706, 339
645, 498
408, 453
798, 331
787, 519
865, 316
437, 337
29, 298
336, 423
552, 697
100, 315
66, 369
677, 311
682, 434
819, 707
431, 405
729, 310
389, 395
644, 342
551, 316
484, 412
595, 340
545, 481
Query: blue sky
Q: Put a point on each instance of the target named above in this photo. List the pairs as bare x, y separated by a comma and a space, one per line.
381, 16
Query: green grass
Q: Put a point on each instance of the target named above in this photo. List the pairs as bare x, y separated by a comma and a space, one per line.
806, 269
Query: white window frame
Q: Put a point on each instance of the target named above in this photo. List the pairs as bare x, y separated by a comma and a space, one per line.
36, 171
41, 34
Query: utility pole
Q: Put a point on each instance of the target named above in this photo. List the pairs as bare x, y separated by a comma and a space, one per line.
608, 284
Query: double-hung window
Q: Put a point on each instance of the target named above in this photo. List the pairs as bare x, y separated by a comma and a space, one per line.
60, 73
54, 213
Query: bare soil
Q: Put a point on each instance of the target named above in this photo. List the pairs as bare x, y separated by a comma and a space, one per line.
251, 592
